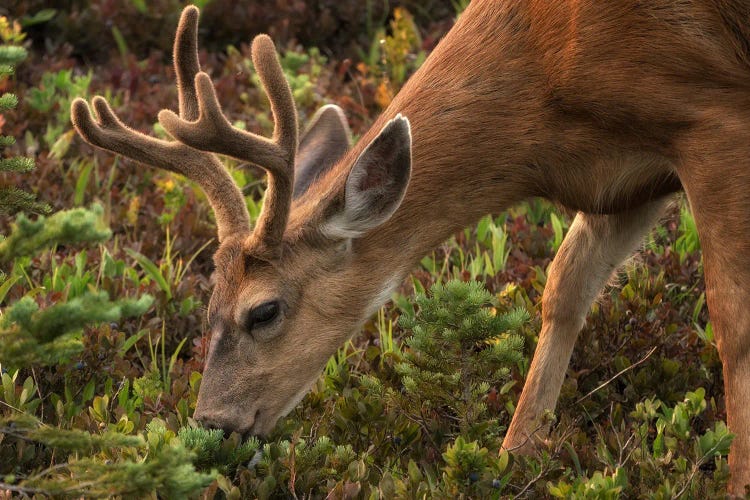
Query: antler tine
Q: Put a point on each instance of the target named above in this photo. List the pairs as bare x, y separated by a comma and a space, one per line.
213, 132
106, 131
186, 64
272, 77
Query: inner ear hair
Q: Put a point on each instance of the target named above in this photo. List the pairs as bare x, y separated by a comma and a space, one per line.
376, 184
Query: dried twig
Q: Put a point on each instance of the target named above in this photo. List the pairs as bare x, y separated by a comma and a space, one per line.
618, 374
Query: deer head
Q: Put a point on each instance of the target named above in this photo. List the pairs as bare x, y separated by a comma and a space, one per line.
286, 293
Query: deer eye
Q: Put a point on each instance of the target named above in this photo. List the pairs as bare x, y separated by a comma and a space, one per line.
263, 314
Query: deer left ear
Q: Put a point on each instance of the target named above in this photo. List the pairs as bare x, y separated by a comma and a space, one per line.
323, 143
376, 184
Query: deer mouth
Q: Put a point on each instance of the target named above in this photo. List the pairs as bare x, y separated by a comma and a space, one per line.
244, 427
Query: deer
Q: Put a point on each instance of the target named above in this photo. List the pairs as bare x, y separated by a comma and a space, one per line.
607, 110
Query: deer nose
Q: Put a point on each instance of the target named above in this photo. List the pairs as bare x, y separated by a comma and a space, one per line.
209, 421
214, 425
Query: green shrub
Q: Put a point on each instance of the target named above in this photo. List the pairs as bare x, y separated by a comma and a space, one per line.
106, 464
460, 348
13, 199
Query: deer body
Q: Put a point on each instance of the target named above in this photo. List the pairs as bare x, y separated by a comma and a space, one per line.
606, 109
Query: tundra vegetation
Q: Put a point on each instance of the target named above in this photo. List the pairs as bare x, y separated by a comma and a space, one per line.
103, 302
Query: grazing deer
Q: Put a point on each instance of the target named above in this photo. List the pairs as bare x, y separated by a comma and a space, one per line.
603, 108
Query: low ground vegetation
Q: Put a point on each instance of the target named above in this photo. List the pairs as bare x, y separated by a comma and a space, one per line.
102, 351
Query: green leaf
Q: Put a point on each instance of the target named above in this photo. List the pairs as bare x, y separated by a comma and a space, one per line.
483, 227
131, 341
173, 358
122, 45
88, 391
124, 394
503, 460
60, 148
7, 285
557, 227
152, 271
40, 17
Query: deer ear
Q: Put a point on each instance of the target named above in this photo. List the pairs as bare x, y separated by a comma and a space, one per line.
376, 183
323, 143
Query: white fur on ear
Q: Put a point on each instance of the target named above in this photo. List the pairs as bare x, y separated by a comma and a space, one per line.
337, 228
376, 184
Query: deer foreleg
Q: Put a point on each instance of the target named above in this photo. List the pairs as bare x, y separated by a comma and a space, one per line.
594, 247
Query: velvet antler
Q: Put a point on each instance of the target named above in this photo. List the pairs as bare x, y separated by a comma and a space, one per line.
108, 132
211, 131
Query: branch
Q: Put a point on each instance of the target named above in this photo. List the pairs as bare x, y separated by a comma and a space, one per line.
621, 372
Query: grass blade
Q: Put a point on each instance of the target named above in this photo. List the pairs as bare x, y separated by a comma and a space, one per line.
152, 270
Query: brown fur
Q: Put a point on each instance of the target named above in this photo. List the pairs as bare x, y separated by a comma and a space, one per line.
604, 108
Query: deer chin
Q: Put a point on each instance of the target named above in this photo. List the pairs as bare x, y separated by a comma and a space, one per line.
264, 426
258, 421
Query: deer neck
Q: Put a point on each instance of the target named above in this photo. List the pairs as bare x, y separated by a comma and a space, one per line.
475, 132
473, 143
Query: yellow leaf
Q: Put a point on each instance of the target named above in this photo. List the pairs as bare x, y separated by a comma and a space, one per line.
133, 207
384, 94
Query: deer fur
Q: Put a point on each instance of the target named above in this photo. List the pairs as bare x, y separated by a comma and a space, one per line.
606, 109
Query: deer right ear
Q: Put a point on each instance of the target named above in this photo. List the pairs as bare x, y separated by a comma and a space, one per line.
376, 184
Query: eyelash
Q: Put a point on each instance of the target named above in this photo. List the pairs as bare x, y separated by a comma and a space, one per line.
270, 311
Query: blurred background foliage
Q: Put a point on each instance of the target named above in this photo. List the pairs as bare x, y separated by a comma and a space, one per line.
90, 29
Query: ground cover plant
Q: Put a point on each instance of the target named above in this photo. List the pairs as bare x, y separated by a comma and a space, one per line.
101, 342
